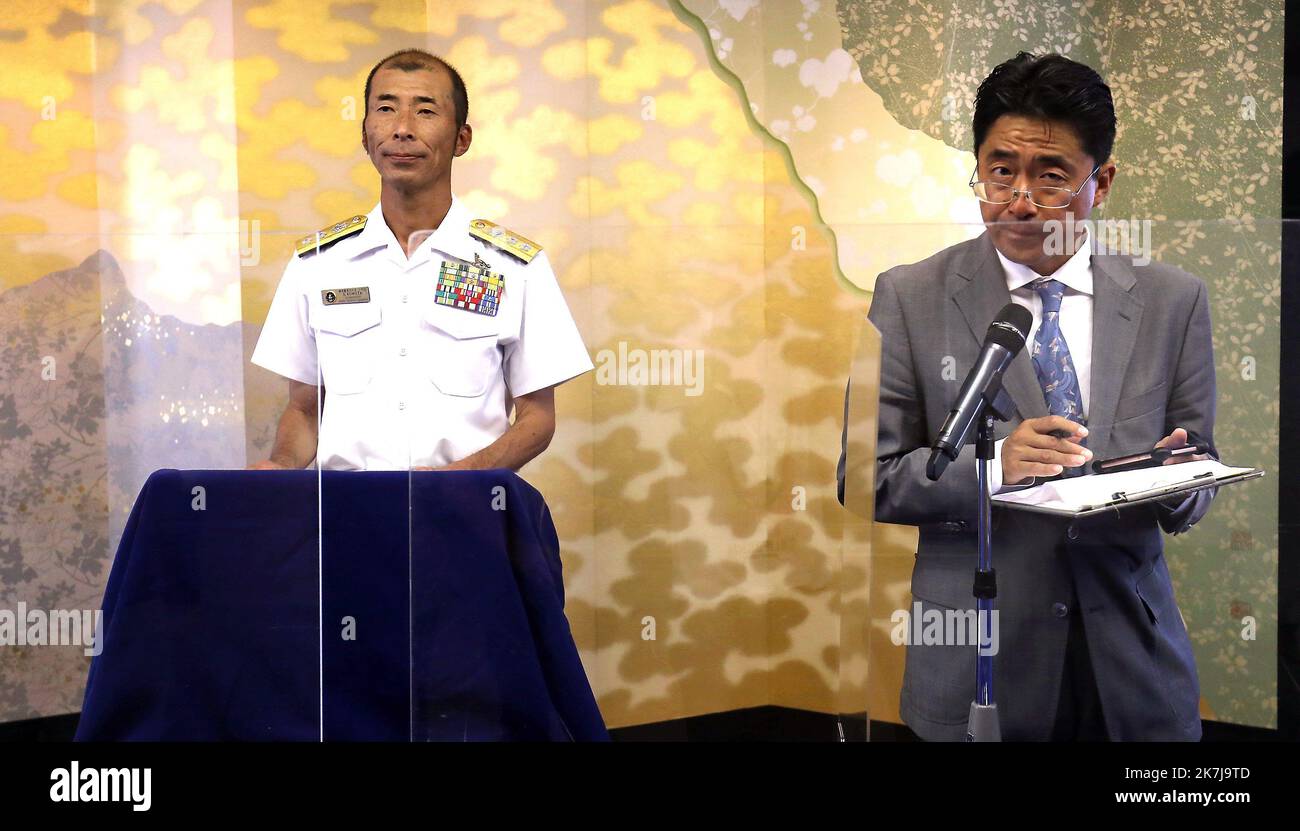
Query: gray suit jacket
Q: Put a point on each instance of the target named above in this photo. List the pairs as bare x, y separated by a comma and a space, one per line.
1152, 371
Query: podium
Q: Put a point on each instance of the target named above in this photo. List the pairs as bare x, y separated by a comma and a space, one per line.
273, 605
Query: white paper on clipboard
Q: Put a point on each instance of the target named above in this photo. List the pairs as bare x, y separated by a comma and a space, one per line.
1086, 492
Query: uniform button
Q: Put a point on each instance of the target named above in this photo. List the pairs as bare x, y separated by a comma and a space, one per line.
1060, 609
1072, 533
402, 351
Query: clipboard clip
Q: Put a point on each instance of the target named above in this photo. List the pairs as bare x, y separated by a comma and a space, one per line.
1121, 497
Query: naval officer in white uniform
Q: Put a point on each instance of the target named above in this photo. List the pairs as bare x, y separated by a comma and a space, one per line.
413, 346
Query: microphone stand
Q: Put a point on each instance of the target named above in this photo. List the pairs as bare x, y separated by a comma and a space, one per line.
982, 725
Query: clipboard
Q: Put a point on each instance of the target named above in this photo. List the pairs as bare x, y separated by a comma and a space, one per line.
1125, 499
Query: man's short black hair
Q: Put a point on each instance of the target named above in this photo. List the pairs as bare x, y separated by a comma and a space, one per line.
1051, 87
412, 60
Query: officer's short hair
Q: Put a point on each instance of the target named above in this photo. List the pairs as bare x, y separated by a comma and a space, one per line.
1051, 87
413, 60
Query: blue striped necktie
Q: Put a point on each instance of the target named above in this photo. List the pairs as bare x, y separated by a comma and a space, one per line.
1052, 361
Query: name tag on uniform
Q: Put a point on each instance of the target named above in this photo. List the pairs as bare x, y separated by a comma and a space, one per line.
469, 287
338, 297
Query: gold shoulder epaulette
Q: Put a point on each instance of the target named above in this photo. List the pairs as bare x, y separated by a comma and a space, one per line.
326, 237
504, 239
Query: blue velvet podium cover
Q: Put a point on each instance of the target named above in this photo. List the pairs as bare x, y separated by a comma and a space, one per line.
441, 609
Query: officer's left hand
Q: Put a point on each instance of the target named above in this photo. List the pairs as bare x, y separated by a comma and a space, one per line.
460, 465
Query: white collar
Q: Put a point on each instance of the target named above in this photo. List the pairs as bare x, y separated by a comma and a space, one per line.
450, 237
1075, 273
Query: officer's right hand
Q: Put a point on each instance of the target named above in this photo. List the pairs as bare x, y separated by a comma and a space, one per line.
267, 464
1032, 450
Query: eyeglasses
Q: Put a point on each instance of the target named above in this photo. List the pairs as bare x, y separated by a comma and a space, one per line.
998, 193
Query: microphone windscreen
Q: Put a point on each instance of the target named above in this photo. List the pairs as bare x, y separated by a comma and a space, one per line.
1010, 328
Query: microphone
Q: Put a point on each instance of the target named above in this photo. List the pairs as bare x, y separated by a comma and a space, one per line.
1005, 338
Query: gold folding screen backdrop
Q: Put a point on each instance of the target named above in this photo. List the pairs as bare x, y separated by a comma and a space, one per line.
717, 184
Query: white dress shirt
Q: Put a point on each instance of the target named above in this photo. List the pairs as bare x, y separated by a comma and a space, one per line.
410, 382
1075, 320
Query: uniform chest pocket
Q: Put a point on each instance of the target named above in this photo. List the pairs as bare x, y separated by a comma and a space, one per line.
462, 353
346, 341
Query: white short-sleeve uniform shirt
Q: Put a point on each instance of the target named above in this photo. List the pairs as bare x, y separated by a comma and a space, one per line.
410, 382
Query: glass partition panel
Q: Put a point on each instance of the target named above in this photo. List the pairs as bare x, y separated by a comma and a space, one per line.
155, 584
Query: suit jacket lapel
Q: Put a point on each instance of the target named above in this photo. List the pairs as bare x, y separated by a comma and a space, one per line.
1116, 314
980, 292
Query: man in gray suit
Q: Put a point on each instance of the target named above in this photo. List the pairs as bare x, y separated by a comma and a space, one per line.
1092, 645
